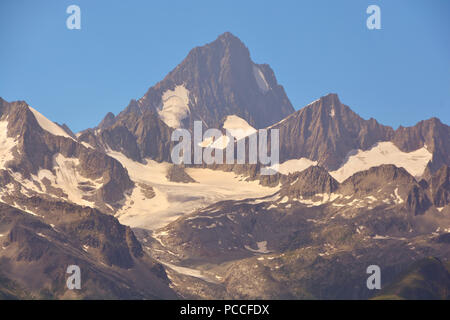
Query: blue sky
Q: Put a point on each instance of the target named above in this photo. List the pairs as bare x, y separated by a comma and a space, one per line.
398, 75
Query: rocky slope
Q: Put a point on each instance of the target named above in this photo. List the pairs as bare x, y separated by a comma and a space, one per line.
312, 239
51, 190
40, 158
427, 279
37, 248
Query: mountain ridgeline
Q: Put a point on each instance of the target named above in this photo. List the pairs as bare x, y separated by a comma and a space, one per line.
348, 192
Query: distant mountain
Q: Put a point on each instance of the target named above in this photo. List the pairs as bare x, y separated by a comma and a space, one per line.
431, 133
137, 136
39, 157
218, 83
330, 133
214, 81
326, 131
211, 83
348, 192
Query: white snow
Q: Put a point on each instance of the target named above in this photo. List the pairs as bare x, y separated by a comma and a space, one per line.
260, 79
48, 125
175, 199
175, 106
221, 143
238, 127
262, 247
398, 199
384, 153
378, 237
322, 198
68, 178
6, 145
312, 102
87, 145
295, 165
332, 113
188, 272
206, 143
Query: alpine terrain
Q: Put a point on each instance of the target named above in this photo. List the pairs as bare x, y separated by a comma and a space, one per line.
348, 193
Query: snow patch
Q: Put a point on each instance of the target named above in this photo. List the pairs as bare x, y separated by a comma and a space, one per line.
48, 125
221, 143
175, 106
322, 199
173, 199
260, 79
294, 165
398, 199
189, 272
68, 178
87, 145
262, 247
6, 145
383, 153
238, 127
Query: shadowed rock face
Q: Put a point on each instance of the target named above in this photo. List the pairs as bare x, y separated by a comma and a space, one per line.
326, 131
432, 133
222, 80
440, 186
136, 136
371, 180
38, 249
176, 173
313, 180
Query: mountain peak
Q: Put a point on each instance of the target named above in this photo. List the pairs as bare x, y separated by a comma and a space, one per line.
325, 102
228, 37
228, 41
326, 131
214, 81
225, 45
330, 97
309, 182
107, 121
